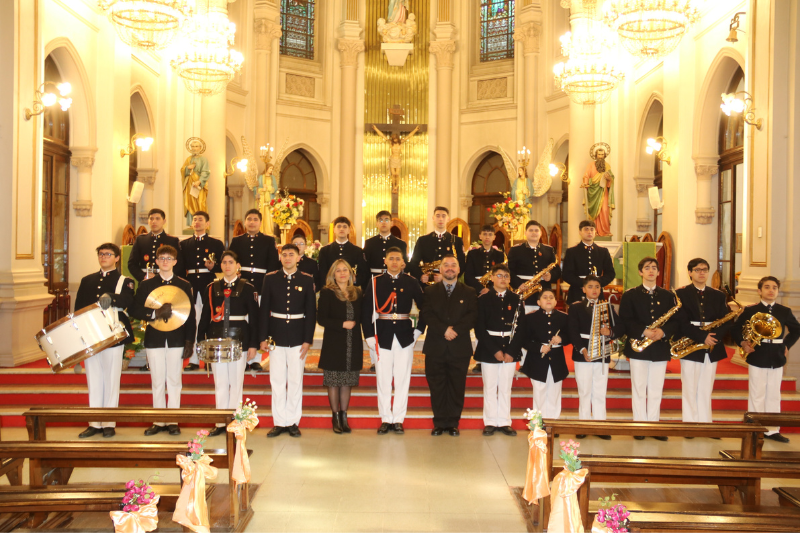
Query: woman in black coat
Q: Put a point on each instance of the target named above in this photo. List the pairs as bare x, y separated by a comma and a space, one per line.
342, 354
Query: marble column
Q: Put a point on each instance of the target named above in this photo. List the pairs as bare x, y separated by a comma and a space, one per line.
212, 126
83, 160
644, 212
704, 213
266, 32
148, 177
581, 138
528, 36
444, 51
349, 51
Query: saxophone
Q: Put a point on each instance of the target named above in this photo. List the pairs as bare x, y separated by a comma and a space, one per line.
639, 345
428, 268
684, 346
532, 286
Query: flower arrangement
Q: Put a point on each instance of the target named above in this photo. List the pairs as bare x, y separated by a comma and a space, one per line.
286, 208
613, 517
246, 410
138, 340
138, 493
534, 417
509, 213
196, 444
569, 453
312, 250
139, 512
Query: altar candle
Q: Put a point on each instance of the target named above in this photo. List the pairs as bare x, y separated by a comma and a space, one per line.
459, 230
330, 233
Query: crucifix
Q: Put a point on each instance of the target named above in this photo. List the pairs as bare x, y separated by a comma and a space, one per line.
391, 134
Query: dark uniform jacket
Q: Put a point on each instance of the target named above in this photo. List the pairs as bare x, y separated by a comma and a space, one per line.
526, 261
769, 355
375, 251
309, 266
406, 291
288, 295
431, 248
580, 322
637, 310
194, 252
479, 262
536, 330
348, 251
95, 285
459, 310
579, 262
242, 302
144, 251
707, 305
339, 344
496, 314
154, 338
256, 252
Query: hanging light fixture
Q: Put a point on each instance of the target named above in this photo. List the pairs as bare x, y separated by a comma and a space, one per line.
202, 56
147, 24
651, 28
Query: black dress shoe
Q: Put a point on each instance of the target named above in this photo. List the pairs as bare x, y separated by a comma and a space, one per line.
109, 432
255, 367
384, 429
372, 368
336, 423
343, 419
174, 429
294, 431
152, 430
508, 430
453, 432
488, 431
580, 436
89, 432
604, 437
437, 432
638, 437
191, 366
398, 428
777, 437
690, 438
219, 430
661, 438
275, 431
145, 368
477, 369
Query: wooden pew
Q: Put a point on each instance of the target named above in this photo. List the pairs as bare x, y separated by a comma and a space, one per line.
12, 469
788, 496
771, 420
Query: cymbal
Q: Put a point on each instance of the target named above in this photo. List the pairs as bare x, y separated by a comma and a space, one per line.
181, 307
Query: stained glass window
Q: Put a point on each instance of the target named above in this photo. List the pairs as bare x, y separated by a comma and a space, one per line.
497, 29
297, 26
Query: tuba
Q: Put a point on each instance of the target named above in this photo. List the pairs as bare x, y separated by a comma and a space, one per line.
684, 346
639, 345
761, 326
532, 286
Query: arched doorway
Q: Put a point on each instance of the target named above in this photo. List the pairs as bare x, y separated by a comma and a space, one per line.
55, 201
298, 175
489, 182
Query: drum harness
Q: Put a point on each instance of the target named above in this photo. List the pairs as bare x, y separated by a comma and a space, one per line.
224, 312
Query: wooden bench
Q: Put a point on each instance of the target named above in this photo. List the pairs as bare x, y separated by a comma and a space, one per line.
12, 469
788, 496
770, 420
789, 457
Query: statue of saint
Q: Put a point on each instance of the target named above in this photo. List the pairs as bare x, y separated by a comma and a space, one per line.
598, 180
265, 191
521, 192
396, 146
398, 11
194, 175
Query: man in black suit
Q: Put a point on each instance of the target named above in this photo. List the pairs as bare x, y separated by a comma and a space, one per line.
341, 248
435, 245
586, 258
375, 247
143, 253
450, 311
256, 252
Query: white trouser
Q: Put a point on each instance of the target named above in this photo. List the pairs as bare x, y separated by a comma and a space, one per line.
697, 384
765, 391
103, 372
547, 396
228, 383
497, 380
165, 369
198, 310
647, 383
286, 382
395, 363
592, 385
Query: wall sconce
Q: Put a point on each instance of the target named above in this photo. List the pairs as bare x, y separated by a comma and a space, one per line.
46, 99
241, 165
555, 168
136, 142
734, 27
658, 146
732, 104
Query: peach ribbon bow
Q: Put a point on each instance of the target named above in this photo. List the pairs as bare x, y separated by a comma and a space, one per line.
241, 463
599, 527
145, 519
191, 510
565, 513
537, 482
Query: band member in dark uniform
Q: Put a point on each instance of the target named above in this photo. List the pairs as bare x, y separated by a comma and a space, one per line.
450, 311
165, 349
498, 313
435, 245
341, 248
103, 370
767, 359
527, 259
375, 247
256, 252
481, 260
306, 264
287, 316
143, 253
586, 258
391, 335
230, 306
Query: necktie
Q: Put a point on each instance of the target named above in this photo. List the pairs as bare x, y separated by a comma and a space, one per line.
769, 309
449, 289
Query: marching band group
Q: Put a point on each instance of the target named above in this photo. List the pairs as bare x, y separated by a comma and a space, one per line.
238, 294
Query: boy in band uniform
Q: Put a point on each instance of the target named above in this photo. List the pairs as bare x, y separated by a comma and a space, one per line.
591, 375
145, 247
376, 247
115, 292
701, 305
387, 302
586, 258
499, 311
341, 248
196, 254
767, 359
306, 264
230, 311
435, 245
257, 253
638, 309
528, 259
288, 315
482, 260
165, 349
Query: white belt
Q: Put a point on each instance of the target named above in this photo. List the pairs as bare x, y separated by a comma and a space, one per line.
582, 277
377, 270
392, 316
699, 323
498, 333
525, 277
198, 271
531, 308
287, 317
254, 270
552, 345
478, 277
235, 317
773, 341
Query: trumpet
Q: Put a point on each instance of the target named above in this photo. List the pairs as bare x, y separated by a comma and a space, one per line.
533, 285
639, 345
684, 346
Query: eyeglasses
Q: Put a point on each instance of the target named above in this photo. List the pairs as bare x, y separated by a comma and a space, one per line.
166, 258
502, 276
384, 220
700, 270
299, 244
106, 254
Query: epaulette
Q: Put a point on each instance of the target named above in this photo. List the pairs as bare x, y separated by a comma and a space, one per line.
628, 290
484, 294
547, 245
520, 244
307, 274
273, 272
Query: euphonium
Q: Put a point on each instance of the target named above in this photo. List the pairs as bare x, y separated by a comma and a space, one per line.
532, 286
639, 345
761, 326
684, 346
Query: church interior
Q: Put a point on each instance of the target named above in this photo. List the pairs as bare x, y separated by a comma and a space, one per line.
678, 145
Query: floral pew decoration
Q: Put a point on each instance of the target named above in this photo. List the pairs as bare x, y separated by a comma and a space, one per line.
537, 481
245, 419
565, 513
139, 509
611, 518
191, 509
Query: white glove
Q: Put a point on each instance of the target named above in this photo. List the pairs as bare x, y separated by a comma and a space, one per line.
417, 334
371, 342
524, 355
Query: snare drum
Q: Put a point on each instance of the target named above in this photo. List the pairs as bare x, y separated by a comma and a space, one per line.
219, 350
80, 335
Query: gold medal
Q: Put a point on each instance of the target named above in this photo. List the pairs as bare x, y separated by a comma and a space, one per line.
299, 289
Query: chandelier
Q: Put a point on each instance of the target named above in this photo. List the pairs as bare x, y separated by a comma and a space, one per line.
651, 28
147, 24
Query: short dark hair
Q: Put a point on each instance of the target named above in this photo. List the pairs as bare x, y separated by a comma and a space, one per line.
157, 211
532, 223
167, 249
300, 235
342, 220
500, 266
646, 260
447, 255
394, 250
591, 277
290, 246
383, 213
231, 254
586, 224
441, 208
253, 212
488, 227
697, 261
201, 214
765, 279
109, 246
548, 289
